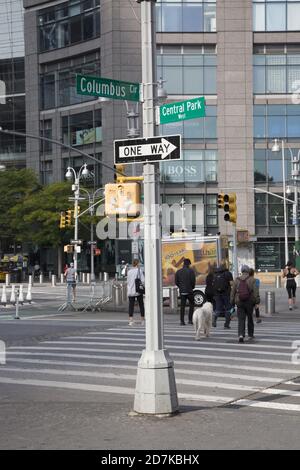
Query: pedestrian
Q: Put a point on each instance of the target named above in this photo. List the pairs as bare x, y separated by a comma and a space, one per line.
245, 295
135, 283
290, 273
221, 287
185, 280
65, 267
256, 307
71, 278
209, 290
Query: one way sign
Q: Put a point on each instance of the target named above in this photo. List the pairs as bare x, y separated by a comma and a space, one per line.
154, 149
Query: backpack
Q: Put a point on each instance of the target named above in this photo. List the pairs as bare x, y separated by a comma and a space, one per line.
243, 290
220, 283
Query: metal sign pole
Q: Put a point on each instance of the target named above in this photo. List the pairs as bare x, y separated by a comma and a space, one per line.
155, 391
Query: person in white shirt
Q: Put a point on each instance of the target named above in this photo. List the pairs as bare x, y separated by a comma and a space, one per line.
135, 273
71, 278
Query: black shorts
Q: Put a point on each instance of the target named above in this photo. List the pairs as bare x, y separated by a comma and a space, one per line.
291, 287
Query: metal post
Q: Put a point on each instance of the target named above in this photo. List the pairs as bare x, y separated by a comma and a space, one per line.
235, 258
53, 280
76, 197
41, 279
155, 391
286, 246
17, 305
295, 174
62, 278
7, 280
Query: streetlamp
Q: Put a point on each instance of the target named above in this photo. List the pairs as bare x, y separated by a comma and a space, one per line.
83, 172
295, 174
92, 204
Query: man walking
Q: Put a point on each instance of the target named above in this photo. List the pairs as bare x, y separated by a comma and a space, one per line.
71, 278
245, 295
221, 289
185, 280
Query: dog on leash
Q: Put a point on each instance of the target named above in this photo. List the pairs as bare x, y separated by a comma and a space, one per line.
202, 320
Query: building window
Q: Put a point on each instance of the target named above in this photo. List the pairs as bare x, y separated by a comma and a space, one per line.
195, 129
277, 121
46, 131
58, 80
268, 165
197, 166
47, 172
83, 128
276, 69
68, 23
186, 16
205, 202
12, 117
276, 15
188, 70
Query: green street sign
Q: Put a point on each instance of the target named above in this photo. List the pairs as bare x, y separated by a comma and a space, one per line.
182, 110
107, 88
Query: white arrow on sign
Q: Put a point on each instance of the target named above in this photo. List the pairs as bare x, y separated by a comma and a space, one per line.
163, 148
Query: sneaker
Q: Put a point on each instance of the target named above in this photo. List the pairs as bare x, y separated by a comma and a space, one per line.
227, 327
182, 323
290, 307
190, 322
130, 323
258, 320
251, 338
241, 339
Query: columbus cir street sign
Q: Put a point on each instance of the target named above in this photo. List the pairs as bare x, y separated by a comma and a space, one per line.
154, 149
182, 110
107, 88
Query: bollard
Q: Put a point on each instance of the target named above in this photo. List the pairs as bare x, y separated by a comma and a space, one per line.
21, 295
117, 295
41, 279
173, 293
88, 278
269, 303
29, 295
7, 280
50, 275
277, 282
106, 277
3, 296
53, 280
80, 277
13, 295
17, 305
62, 278
30, 279
100, 277
84, 278
124, 291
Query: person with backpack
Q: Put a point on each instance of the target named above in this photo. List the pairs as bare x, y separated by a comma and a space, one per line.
256, 307
245, 295
185, 280
221, 288
290, 273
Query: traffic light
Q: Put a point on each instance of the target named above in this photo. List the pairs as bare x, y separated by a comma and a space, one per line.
68, 218
230, 208
120, 178
221, 200
62, 223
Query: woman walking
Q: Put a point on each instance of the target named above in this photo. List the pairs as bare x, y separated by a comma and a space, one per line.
290, 273
135, 281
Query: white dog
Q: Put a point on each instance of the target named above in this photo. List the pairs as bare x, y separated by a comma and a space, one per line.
202, 320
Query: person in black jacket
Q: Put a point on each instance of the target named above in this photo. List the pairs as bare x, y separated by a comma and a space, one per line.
185, 280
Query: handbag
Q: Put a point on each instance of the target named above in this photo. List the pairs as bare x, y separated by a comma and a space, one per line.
139, 286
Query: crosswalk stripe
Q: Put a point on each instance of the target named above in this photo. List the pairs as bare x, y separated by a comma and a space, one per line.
267, 405
105, 389
241, 349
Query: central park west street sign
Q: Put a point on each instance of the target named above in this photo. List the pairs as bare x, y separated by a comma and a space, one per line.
107, 88
182, 110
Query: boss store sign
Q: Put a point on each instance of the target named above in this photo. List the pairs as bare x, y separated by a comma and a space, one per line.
183, 171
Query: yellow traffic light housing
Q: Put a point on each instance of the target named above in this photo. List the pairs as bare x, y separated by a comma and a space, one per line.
68, 218
221, 200
62, 222
230, 208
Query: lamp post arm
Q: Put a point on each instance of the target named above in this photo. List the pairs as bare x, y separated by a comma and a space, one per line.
56, 142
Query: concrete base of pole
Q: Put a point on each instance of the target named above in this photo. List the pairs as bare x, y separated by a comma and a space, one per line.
155, 391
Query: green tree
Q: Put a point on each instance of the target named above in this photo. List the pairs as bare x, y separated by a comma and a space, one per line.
15, 185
